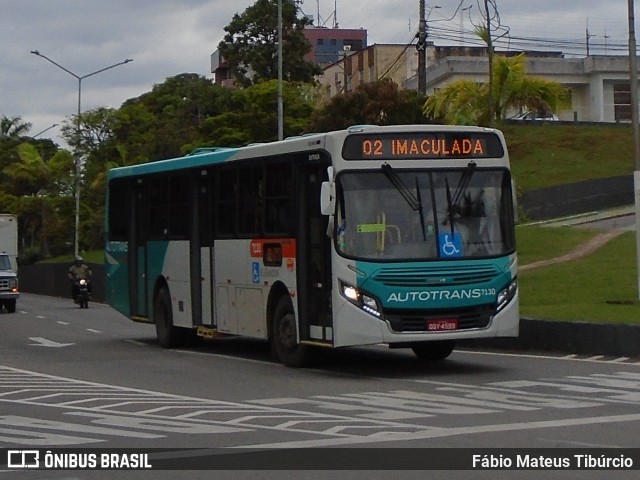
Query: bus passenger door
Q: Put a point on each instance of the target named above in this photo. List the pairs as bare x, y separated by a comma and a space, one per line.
313, 257
202, 245
138, 251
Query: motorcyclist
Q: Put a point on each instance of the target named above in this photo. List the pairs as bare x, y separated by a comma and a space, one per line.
77, 272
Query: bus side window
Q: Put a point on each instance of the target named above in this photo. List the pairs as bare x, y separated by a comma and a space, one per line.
227, 203
278, 207
119, 211
159, 207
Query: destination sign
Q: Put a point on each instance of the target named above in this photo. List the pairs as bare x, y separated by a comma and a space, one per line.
422, 145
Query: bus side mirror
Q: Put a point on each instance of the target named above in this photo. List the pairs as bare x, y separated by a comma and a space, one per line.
328, 198
328, 194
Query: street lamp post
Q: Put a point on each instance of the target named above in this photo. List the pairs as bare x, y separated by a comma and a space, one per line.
45, 130
462, 10
77, 156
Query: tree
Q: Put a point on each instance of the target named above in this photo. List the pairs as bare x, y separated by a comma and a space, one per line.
252, 115
36, 183
378, 103
13, 127
96, 129
467, 102
167, 122
251, 43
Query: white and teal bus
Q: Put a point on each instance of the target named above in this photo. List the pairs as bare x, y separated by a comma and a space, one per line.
397, 235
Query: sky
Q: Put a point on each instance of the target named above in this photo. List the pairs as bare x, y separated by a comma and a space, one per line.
165, 38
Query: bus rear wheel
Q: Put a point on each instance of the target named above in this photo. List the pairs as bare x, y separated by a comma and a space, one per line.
433, 351
167, 334
284, 337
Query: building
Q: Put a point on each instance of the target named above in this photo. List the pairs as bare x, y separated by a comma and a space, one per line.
376, 62
220, 70
599, 85
327, 44
327, 47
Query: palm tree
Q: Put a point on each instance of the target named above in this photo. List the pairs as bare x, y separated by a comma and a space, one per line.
37, 181
13, 127
467, 102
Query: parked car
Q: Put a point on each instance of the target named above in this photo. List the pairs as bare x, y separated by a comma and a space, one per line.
526, 116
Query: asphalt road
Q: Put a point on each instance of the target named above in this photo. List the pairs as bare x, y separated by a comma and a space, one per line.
72, 378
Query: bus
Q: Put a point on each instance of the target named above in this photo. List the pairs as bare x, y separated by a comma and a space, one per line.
395, 235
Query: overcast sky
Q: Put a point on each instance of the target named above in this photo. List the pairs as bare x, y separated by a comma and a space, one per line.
169, 37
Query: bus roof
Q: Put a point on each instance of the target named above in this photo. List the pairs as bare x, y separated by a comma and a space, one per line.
205, 156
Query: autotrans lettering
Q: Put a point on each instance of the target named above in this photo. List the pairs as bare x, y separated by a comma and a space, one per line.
434, 295
424, 145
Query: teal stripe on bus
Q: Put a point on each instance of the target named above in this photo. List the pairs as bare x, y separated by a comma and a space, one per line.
190, 161
435, 285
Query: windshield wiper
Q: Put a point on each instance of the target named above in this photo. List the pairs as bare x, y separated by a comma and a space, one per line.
414, 201
453, 203
463, 184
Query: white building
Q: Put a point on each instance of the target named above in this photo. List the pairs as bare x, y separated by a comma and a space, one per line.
599, 85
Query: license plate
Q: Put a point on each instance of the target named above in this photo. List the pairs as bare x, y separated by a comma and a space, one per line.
442, 325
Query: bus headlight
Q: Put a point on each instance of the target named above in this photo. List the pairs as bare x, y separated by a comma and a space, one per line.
360, 300
507, 294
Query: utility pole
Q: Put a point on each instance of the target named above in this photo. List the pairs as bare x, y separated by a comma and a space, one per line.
421, 46
633, 81
588, 37
492, 116
280, 100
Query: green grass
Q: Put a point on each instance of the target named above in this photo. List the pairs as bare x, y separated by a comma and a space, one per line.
540, 243
555, 154
601, 287
93, 256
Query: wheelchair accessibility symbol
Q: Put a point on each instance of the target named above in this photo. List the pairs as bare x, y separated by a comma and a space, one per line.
255, 272
450, 245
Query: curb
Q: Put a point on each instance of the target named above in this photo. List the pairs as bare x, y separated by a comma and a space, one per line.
619, 340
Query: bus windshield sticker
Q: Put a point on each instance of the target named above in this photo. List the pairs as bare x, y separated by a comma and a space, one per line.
450, 245
371, 227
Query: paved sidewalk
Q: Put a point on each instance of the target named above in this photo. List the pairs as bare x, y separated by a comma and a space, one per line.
580, 251
613, 223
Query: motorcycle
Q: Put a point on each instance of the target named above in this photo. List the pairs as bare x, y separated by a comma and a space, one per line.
82, 293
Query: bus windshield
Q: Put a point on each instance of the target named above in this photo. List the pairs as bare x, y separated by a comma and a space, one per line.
393, 214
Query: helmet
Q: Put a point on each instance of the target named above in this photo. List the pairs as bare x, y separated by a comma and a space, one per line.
78, 259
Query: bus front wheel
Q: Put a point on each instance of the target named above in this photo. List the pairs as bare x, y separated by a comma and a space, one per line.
284, 337
433, 351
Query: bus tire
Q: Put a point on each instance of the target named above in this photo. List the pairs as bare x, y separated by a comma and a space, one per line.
434, 351
284, 337
167, 334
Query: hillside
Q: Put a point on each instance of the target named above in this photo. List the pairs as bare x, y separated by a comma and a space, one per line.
553, 154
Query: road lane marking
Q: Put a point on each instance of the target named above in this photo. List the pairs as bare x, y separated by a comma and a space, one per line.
451, 432
43, 342
570, 358
323, 420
